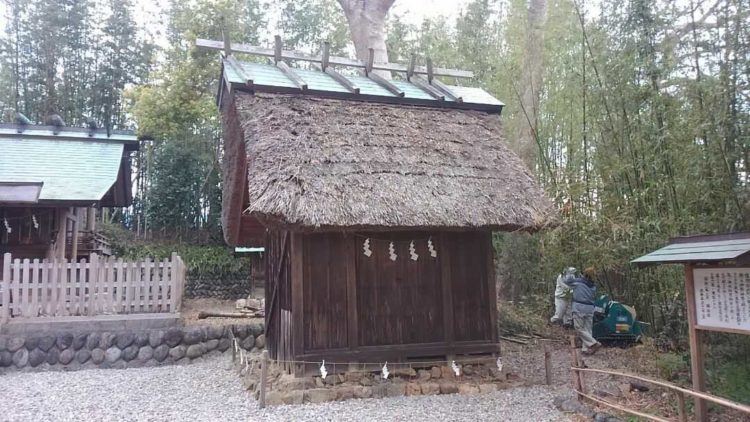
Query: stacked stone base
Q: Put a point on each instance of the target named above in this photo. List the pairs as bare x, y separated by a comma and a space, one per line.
286, 389
81, 350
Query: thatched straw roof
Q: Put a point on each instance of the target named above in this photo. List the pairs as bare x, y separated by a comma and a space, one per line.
319, 162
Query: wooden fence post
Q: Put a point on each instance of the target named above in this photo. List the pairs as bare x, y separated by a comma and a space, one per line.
93, 283
263, 378
547, 365
5, 287
577, 383
681, 408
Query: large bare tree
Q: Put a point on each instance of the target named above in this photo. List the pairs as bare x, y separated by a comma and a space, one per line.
531, 83
367, 26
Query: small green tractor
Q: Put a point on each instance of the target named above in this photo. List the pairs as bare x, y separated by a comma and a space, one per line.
616, 322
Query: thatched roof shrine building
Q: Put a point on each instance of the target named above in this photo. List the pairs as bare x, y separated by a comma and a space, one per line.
375, 200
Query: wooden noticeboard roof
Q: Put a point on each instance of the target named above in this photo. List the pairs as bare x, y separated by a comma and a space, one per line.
701, 249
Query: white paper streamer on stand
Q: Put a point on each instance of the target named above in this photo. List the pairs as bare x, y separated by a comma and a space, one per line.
7, 226
323, 370
36, 223
499, 364
456, 368
385, 371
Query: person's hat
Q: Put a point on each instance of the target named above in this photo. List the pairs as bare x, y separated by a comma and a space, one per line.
589, 272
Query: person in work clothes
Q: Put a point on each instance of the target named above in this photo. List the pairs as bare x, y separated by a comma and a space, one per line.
563, 296
584, 292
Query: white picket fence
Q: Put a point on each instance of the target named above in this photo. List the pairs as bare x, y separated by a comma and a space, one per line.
103, 286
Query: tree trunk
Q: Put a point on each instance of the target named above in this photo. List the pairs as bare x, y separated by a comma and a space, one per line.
367, 26
531, 83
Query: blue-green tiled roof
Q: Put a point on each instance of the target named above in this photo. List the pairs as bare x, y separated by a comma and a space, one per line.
71, 165
268, 76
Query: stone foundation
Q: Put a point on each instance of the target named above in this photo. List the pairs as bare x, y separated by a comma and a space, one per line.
70, 350
287, 389
218, 288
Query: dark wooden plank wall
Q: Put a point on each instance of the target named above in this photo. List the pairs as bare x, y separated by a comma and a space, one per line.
379, 302
398, 302
469, 287
325, 291
278, 295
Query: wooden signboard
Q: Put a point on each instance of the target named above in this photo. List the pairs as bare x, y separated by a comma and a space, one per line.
722, 299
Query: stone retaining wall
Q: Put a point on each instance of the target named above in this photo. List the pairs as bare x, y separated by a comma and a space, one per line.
79, 350
217, 288
287, 389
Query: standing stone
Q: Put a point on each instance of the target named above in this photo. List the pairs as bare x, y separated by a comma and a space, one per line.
36, 357
193, 335
173, 337
212, 344
240, 330
15, 344
413, 389
195, 350
92, 341
256, 328
161, 352
464, 388
82, 356
130, 352
141, 339
79, 341
124, 340
248, 343
6, 359
448, 388
260, 341
467, 370
424, 375
145, 353
215, 332
435, 372
112, 354
98, 356
47, 342
155, 338
21, 358
64, 341
107, 340
31, 343
53, 356
430, 388
3, 343
224, 344
178, 352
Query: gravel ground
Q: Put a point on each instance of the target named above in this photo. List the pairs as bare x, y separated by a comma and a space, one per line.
519, 404
208, 391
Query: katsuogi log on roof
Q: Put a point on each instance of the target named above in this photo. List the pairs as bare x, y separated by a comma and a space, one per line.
328, 162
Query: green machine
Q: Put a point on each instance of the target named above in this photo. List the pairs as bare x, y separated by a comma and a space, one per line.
614, 321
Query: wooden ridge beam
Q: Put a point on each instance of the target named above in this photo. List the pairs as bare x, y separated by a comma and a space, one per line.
283, 67
292, 75
446, 90
420, 82
232, 61
343, 80
333, 60
385, 83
